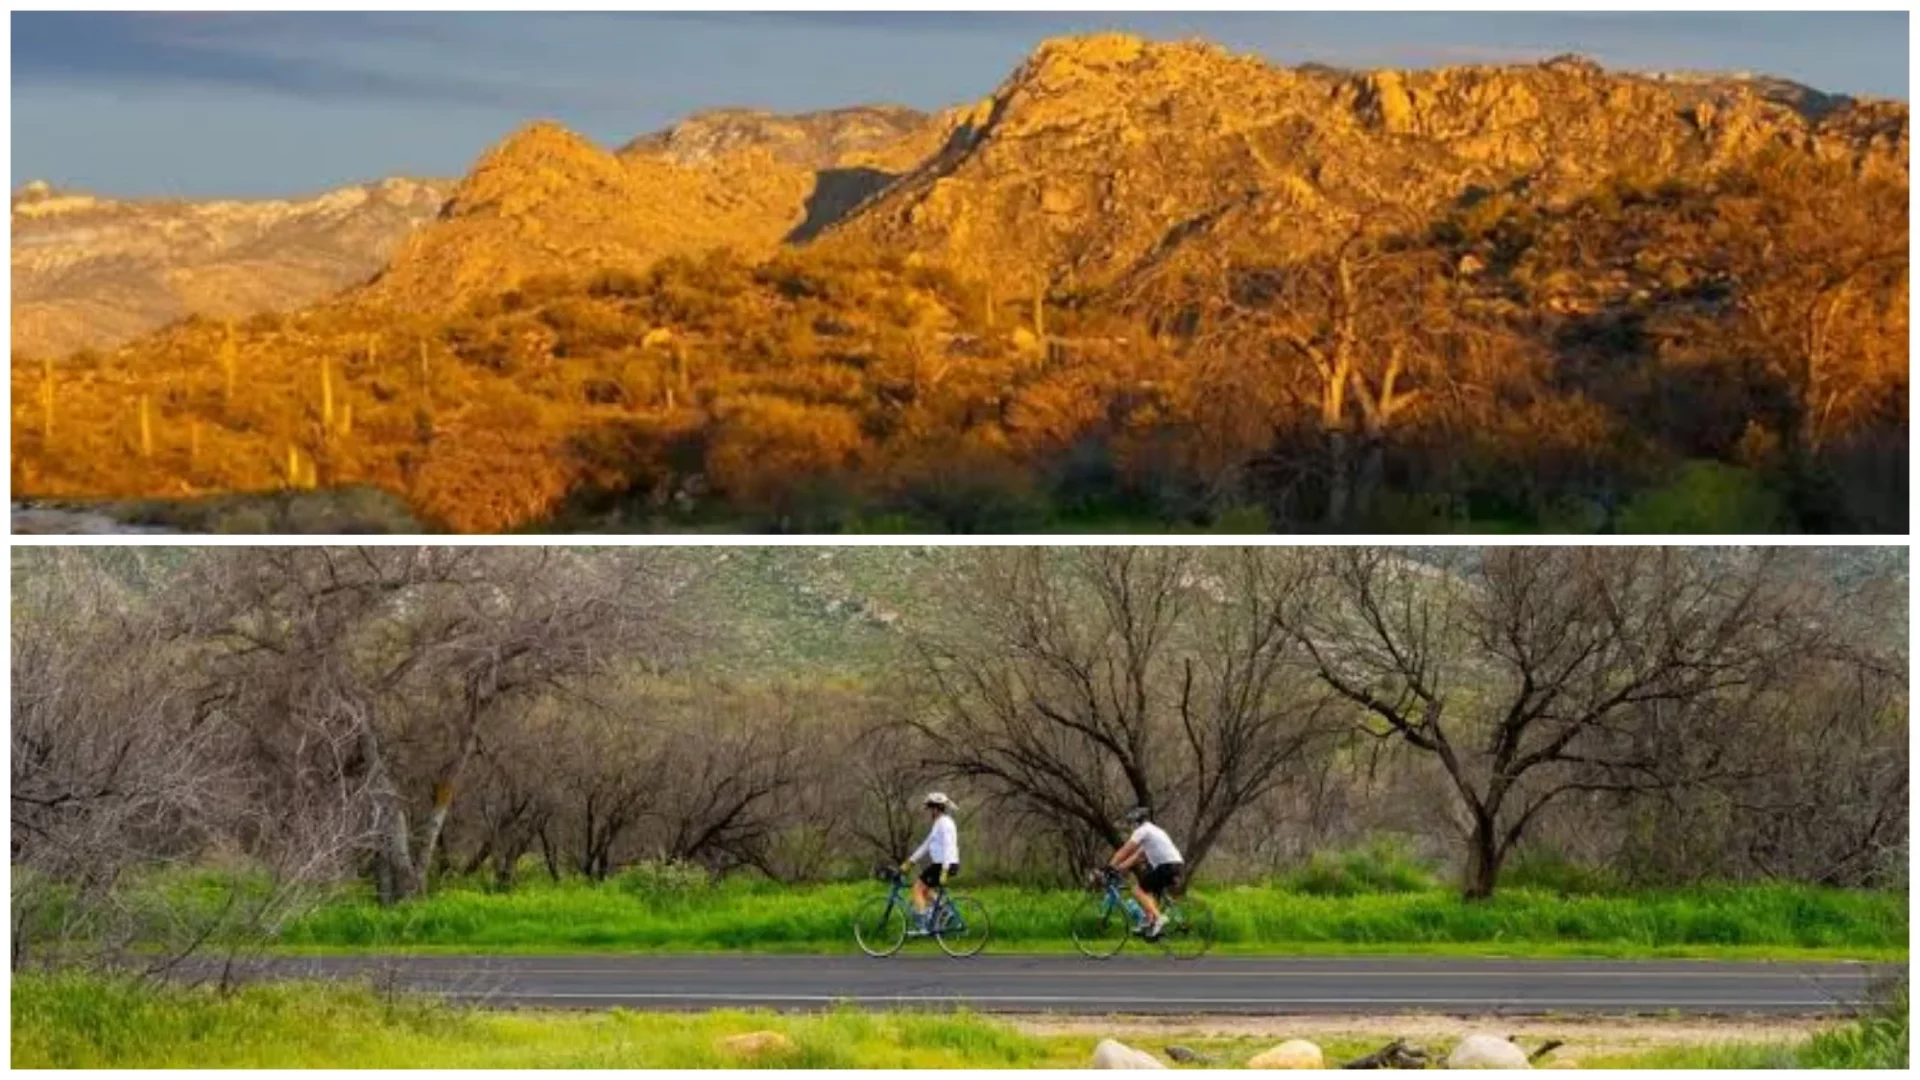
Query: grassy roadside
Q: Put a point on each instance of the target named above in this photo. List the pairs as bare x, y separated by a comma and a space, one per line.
74, 1021
1750, 922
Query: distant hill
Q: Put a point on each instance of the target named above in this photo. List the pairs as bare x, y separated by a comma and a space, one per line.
93, 272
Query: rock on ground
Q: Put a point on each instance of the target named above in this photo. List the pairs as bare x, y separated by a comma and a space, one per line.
1117, 1055
1292, 1054
755, 1043
1487, 1052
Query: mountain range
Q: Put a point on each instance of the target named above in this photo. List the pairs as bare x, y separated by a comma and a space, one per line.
1121, 278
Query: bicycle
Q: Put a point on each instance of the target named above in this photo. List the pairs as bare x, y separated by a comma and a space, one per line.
958, 923
1103, 923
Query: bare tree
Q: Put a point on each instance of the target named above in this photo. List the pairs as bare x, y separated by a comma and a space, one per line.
1530, 673
123, 770
421, 650
1078, 682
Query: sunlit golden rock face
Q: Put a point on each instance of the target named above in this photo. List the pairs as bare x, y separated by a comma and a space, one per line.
1099, 154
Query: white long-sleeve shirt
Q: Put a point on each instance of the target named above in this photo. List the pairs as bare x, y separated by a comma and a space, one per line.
942, 845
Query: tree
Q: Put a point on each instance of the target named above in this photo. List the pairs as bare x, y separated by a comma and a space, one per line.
420, 654
1361, 329
1531, 673
1077, 682
121, 768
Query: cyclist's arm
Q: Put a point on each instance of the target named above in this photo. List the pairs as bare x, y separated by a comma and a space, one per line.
1128, 854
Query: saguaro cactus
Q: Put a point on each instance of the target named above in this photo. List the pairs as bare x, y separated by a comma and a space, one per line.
46, 400
326, 394
301, 472
229, 363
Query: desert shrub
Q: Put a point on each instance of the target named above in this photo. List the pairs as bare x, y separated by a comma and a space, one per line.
1552, 871
1706, 497
1385, 864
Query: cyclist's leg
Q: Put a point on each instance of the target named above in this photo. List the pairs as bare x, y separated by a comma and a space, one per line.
1148, 901
1154, 887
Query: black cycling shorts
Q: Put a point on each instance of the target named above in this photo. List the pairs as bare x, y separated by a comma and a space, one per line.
930, 874
1163, 879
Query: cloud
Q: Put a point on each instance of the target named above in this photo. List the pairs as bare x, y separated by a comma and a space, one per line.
248, 51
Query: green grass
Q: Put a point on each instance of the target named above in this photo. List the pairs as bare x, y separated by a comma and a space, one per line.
73, 1021
80, 1021
1877, 1040
741, 914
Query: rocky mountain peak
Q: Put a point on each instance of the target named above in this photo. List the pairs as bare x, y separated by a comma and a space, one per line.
534, 165
815, 140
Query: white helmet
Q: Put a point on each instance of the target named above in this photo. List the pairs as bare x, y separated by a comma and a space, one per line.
939, 799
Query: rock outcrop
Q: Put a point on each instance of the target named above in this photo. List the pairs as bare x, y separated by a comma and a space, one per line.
1292, 1054
1487, 1052
756, 1044
1111, 1054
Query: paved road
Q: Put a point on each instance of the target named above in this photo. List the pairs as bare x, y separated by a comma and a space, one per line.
1125, 985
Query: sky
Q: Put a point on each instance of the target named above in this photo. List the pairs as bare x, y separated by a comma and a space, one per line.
263, 104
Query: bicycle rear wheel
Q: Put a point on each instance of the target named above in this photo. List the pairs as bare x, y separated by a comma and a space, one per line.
880, 926
962, 927
1099, 928
1189, 932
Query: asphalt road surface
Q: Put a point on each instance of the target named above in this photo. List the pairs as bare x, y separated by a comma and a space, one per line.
1125, 985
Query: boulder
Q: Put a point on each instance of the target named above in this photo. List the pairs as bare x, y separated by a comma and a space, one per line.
1188, 1056
756, 1043
1118, 1055
1292, 1054
1487, 1052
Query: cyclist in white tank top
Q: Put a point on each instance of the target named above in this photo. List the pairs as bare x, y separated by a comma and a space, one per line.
1158, 868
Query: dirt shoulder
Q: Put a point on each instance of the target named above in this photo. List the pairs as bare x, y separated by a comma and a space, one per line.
1585, 1037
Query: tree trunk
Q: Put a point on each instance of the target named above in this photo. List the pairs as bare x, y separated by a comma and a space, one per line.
394, 870
1339, 478
1370, 475
1483, 859
443, 796
548, 853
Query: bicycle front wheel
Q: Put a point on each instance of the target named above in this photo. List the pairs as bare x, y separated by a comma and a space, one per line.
880, 926
1099, 927
1189, 932
962, 928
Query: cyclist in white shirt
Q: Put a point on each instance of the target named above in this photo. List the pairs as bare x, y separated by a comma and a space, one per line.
1164, 869
941, 849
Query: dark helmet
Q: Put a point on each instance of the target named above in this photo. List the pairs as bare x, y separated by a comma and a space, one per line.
1136, 815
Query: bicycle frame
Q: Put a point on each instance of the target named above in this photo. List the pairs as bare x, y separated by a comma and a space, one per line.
1117, 901
936, 906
